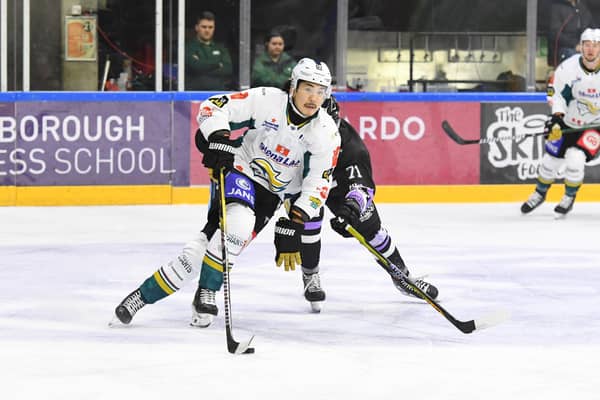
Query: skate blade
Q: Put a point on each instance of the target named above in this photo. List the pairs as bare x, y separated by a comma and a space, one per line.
115, 322
559, 216
201, 321
316, 306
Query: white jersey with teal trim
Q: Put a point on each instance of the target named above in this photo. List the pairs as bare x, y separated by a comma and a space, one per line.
284, 158
576, 93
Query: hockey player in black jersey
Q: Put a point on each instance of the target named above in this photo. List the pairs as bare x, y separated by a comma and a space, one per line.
351, 201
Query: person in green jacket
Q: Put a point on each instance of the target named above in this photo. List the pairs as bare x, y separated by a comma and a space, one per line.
274, 66
207, 63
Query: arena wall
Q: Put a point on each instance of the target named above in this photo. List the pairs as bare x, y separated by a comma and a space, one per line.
84, 148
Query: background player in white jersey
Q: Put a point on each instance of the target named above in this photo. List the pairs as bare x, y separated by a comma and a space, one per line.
575, 101
290, 149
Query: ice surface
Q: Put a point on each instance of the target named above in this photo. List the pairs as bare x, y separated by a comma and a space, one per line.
64, 269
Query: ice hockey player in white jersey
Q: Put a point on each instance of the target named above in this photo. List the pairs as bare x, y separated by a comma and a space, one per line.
351, 201
575, 100
290, 149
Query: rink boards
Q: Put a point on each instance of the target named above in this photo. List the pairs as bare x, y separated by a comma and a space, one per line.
137, 148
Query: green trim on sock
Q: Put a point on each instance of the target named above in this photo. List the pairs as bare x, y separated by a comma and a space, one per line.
210, 278
151, 290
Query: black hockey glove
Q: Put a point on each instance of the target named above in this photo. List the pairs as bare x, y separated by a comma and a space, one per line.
220, 151
554, 126
288, 240
348, 214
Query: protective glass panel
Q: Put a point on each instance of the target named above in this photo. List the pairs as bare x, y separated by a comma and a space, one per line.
212, 45
441, 45
305, 30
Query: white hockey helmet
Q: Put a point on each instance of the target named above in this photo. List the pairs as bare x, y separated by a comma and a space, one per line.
589, 34
309, 70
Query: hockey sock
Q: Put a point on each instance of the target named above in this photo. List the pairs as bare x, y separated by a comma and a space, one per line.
154, 288
542, 186
211, 275
571, 189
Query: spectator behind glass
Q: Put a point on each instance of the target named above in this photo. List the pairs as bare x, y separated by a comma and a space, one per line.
274, 66
207, 63
568, 19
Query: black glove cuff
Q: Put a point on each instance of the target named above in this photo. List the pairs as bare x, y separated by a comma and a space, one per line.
221, 146
556, 119
220, 135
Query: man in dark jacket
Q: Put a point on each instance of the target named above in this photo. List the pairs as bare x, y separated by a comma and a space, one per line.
207, 64
568, 19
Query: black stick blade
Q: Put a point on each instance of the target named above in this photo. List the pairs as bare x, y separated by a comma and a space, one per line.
451, 132
235, 347
455, 137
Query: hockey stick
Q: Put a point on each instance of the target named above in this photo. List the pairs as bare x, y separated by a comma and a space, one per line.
458, 139
232, 346
463, 326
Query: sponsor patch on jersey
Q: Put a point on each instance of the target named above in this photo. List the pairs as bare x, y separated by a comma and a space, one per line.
314, 202
243, 183
278, 158
336, 154
323, 192
220, 101
205, 113
284, 151
327, 173
272, 124
590, 140
239, 187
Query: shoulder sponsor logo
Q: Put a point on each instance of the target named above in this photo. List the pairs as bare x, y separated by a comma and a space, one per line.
204, 114
272, 124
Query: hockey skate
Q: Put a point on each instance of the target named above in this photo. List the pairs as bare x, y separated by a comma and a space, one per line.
533, 202
565, 205
204, 308
313, 292
406, 290
127, 308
